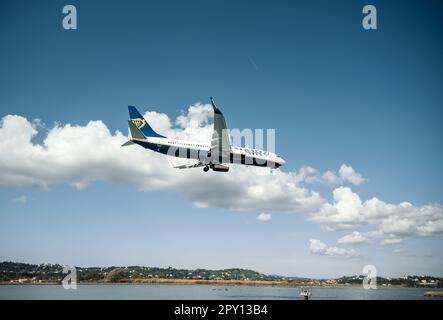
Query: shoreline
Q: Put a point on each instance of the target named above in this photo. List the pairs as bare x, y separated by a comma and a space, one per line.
162, 281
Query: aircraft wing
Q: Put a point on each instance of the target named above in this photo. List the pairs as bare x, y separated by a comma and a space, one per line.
188, 166
220, 144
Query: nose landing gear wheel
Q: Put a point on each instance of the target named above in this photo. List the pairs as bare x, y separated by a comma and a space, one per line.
206, 169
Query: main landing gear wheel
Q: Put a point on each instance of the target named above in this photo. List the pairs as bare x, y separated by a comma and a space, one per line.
206, 169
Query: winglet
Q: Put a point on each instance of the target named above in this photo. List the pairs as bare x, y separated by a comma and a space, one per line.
216, 109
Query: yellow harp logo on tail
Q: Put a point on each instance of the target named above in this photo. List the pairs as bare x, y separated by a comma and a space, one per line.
140, 123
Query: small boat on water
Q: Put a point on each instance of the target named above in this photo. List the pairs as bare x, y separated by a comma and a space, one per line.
305, 293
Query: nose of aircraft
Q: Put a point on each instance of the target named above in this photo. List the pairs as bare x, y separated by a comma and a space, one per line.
280, 161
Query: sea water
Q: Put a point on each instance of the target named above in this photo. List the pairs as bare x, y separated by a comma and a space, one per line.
172, 292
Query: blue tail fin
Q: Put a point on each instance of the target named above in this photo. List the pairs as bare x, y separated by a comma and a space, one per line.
142, 124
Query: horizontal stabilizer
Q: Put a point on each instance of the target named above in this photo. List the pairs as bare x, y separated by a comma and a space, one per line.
127, 143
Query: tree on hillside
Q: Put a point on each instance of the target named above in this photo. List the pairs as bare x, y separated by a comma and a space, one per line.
116, 275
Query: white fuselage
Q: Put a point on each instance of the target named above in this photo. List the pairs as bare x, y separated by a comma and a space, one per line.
200, 151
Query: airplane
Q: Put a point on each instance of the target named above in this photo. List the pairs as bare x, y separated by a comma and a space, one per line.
216, 156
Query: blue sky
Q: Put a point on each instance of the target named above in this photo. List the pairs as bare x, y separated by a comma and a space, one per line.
335, 93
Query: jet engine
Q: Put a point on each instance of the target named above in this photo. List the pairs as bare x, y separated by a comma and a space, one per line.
220, 167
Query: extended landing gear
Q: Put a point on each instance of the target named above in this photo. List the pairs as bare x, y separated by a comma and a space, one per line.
206, 169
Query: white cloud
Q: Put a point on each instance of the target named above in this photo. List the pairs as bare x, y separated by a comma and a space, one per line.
191, 126
319, 247
264, 217
307, 174
21, 199
336, 251
431, 227
343, 213
79, 155
353, 238
197, 115
397, 226
391, 240
331, 178
393, 222
346, 174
